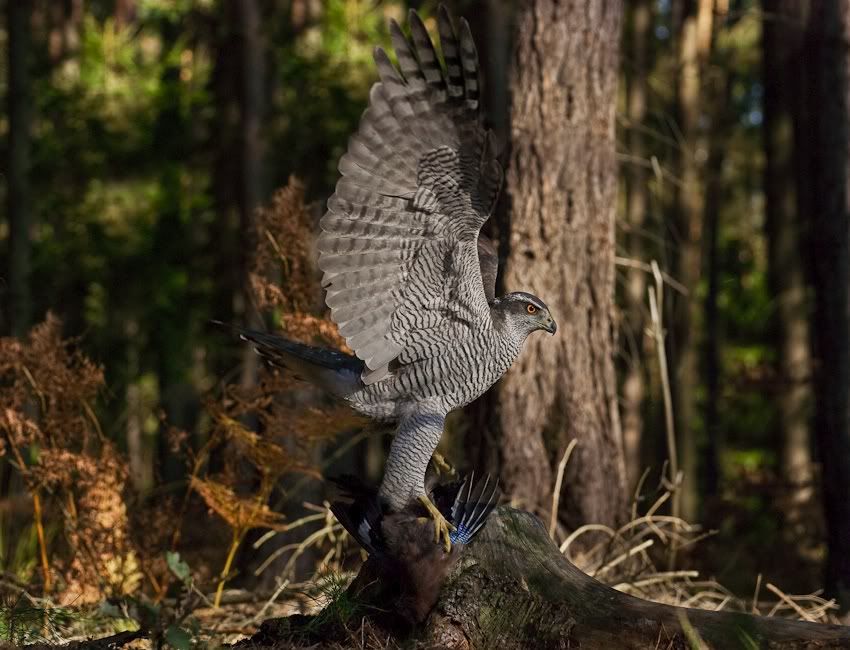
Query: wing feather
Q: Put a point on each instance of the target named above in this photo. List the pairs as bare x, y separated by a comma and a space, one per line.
403, 270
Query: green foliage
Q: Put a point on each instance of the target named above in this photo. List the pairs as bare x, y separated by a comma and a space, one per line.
337, 607
24, 621
18, 549
323, 77
178, 638
178, 567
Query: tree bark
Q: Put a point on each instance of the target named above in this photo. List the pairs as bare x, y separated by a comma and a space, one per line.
19, 104
251, 170
637, 203
513, 589
694, 48
720, 93
781, 50
559, 244
828, 67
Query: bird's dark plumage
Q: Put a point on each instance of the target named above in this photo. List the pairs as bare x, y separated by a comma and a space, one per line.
400, 544
465, 505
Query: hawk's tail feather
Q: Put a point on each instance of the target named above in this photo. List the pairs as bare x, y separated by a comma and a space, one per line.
472, 506
334, 371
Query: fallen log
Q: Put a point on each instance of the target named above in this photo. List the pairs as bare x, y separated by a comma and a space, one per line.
513, 589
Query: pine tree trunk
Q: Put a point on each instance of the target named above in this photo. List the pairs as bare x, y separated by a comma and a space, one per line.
637, 204
694, 48
720, 93
781, 48
251, 171
829, 67
19, 103
559, 244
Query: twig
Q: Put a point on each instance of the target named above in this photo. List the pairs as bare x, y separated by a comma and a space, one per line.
299, 549
655, 307
787, 599
556, 493
623, 557
288, 527
656, 578
42, 543
754, 607
583, 529
234, 545
638, 490
643, 266
259, 616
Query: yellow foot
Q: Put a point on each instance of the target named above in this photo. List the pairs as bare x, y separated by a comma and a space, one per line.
442, 465
442, 528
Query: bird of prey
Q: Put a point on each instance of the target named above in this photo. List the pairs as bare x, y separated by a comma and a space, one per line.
409, 279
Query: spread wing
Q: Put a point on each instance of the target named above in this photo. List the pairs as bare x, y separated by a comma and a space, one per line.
488, 260
399, 243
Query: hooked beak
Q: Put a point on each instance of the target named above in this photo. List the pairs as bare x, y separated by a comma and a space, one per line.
551, 326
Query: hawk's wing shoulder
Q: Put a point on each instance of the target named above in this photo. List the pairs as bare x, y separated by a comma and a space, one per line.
399, 243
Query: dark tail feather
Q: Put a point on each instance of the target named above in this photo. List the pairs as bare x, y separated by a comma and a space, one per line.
334, 371
473, 504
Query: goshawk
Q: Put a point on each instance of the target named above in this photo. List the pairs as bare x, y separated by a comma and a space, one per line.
409, 279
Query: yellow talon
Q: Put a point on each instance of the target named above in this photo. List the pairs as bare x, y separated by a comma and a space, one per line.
442, 465
442, 528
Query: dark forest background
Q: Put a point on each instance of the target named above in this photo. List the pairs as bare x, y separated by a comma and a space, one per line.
165, 163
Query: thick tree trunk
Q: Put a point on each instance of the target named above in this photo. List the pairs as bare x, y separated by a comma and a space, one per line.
559, 244
637, 203
781, 50
829, 68
19, 103
694, 47
513, 589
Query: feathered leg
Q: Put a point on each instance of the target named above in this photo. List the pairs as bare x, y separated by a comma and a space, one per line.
404, 476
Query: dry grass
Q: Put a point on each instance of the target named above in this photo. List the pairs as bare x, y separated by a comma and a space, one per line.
629, 560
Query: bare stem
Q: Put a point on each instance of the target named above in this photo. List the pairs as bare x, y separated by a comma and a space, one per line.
556, 493
234, 545
42, 543
656, 296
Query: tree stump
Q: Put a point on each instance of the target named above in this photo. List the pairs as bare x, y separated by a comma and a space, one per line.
512, 589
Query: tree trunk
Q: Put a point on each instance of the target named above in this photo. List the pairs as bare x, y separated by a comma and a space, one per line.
513, 589
559, 244
694, 47
637, 203
781, 50
714, 195
19, 103
830, 209
251, 171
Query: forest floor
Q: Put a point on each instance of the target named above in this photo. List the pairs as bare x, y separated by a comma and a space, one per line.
745, 561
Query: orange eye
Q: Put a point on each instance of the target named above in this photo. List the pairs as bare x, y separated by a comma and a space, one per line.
531, 309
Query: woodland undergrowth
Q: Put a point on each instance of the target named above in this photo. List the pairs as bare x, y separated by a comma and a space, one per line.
91, 556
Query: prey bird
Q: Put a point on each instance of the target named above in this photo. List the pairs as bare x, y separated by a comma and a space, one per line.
409, 278
410, 567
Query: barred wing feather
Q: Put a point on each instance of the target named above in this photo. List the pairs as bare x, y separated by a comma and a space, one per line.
399, 247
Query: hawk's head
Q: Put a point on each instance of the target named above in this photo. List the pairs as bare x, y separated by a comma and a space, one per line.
526, 313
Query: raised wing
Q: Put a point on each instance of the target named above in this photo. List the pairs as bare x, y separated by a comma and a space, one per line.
399, 243
488, 261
